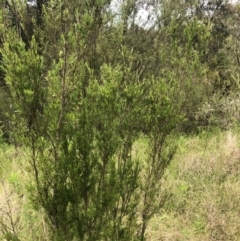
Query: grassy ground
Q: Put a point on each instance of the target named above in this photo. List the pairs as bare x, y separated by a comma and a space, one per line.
203, 180
18, 220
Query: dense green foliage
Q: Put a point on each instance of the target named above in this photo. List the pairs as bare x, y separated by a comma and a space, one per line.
84, 84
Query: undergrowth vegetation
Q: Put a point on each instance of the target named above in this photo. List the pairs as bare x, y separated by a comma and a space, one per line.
204, 182
202, 186
18, 220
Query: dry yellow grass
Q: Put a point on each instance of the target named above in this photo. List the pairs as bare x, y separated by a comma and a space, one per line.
204, 180
18, 220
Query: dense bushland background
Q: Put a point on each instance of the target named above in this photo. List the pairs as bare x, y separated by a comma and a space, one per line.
119, 120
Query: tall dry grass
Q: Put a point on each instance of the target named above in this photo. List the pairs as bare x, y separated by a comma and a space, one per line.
18, 219
204, 180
